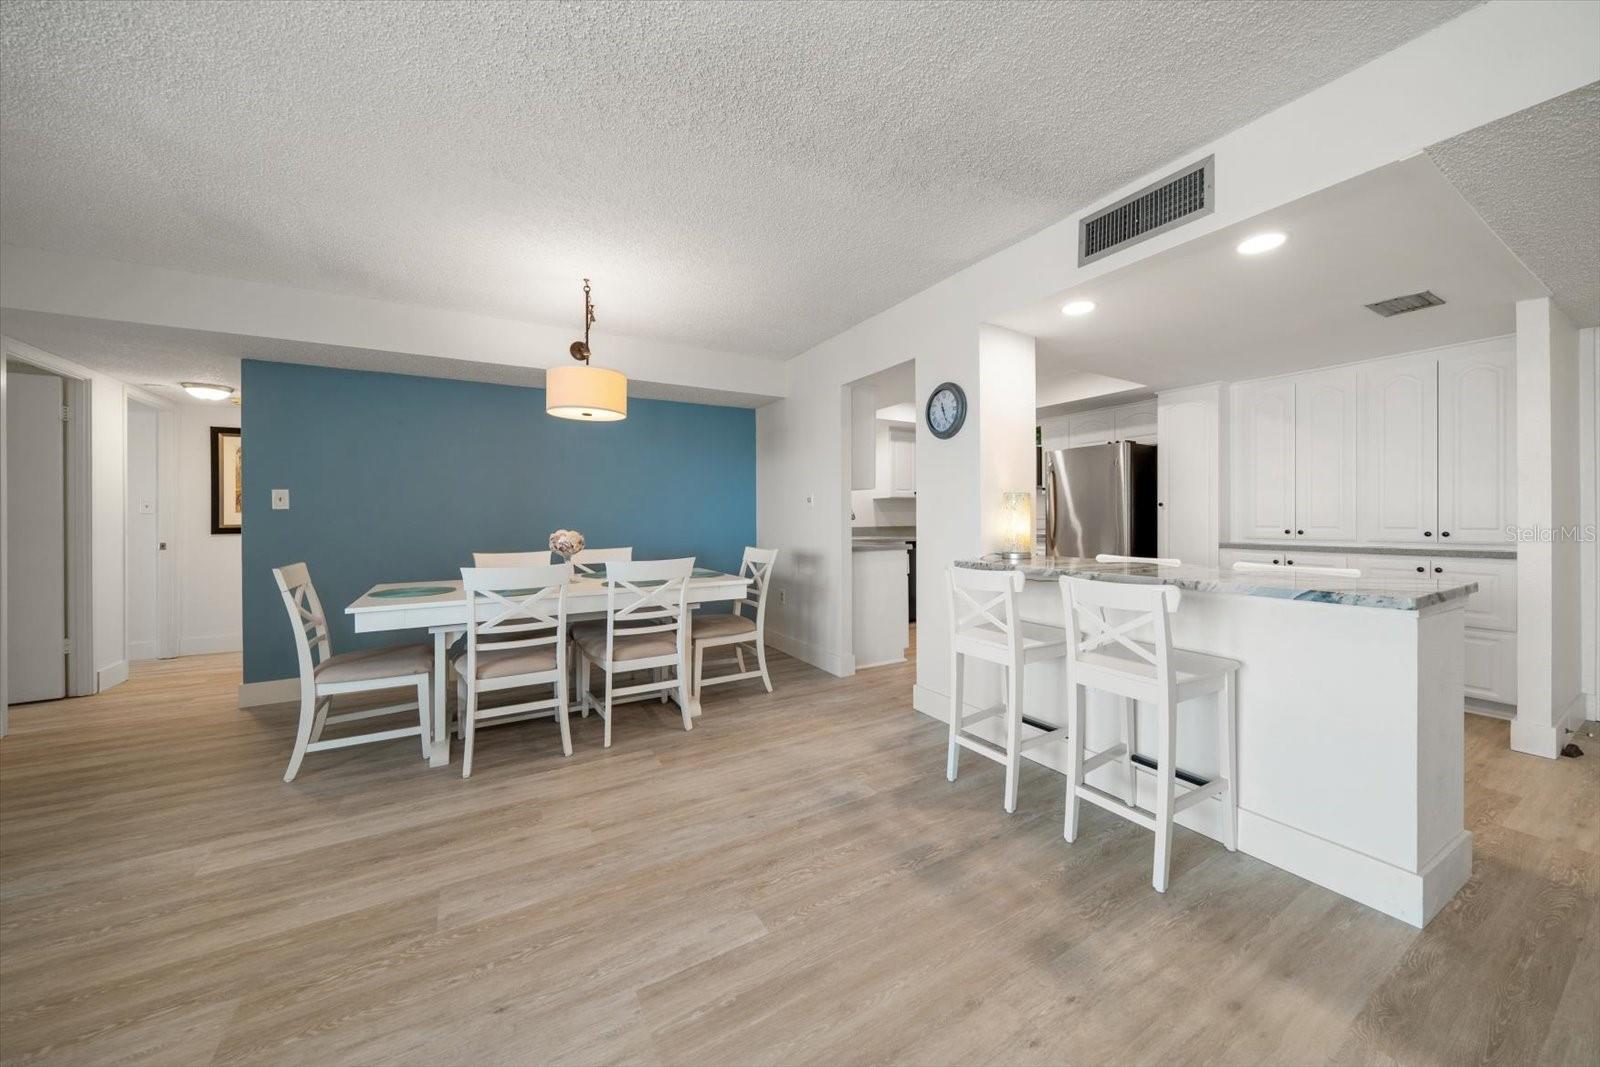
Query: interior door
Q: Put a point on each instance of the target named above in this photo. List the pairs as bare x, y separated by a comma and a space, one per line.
1399, 439
1477, 445
36, 536
1325, 455
1264, 460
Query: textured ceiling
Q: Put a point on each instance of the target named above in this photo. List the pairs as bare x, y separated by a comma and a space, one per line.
1535, 178
1201, 312
753, 177
159, 357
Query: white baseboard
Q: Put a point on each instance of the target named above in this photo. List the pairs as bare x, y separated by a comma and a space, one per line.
277, 691
1412, 897
1547, 739
111, 675
1593, 707
138, 650
205, 644
835, 664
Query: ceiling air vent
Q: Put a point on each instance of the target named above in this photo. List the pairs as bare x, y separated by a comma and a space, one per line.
1399, 305
1172, 201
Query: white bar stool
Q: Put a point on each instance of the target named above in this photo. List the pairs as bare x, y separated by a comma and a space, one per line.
1005, 640
1106, 657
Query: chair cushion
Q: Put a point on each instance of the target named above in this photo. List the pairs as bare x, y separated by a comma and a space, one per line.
722, 624
509, 662
645, 646
592, 627
395, 661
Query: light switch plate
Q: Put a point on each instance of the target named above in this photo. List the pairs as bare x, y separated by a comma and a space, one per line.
280, 500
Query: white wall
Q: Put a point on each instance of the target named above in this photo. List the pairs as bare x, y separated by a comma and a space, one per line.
143, 499
1589, 509
209, 611
1490, 62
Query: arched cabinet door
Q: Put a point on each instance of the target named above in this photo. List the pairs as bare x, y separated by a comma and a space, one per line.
1399, 446
1477, 443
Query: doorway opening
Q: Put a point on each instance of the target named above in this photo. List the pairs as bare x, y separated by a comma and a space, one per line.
38, 633
882, 536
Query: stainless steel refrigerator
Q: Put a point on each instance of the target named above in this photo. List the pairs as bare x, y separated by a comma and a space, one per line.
1101, 498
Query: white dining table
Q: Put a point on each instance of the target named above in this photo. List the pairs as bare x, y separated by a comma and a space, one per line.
441, 609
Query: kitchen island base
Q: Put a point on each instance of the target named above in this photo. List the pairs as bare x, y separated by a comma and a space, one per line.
1351, 763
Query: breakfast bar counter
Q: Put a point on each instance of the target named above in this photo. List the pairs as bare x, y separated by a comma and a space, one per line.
1350, 762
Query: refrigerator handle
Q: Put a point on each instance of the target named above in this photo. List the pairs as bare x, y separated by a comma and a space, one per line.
1125, 478
1050, 510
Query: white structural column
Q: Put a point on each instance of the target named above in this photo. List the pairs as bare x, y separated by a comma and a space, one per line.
960, 482
1549, 657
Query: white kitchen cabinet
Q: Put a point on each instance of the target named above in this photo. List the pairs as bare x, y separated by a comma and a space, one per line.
1326, 406
902, 461
1477, 444
1135, 422
1491, 667
1494, 605
1399, 437
1380, 567
1188, 474
1085, 428
1264, 460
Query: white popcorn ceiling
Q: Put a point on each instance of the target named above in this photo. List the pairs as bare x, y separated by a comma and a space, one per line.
753, 177
1535, 178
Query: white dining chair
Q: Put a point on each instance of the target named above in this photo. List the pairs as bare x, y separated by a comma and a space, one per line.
516, 639
324, 675
512, 559
1106, 621
1295, 569
646, 628
590, 560
1158, 561
746, 624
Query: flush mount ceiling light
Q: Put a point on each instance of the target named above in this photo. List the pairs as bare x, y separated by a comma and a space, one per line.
1077, 307
585, 393
1261, 242
206, 390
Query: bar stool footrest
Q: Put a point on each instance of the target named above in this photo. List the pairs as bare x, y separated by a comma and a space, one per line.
1116, 806
982, 748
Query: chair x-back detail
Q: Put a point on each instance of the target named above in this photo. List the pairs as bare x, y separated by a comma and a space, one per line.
324, 675
1106, 620
516, 639
984, 624
746, 624
645, 629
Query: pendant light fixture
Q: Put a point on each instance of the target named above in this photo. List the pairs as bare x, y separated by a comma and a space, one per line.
585, 393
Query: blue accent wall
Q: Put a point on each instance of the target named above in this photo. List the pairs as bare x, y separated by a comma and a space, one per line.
393, 478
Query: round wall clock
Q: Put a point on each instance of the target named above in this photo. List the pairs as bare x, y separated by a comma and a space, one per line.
947, 410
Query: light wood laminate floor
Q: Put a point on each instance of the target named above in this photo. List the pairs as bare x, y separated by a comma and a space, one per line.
792, 882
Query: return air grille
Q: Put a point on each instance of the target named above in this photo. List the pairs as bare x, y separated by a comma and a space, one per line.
1399, 305
1170, 202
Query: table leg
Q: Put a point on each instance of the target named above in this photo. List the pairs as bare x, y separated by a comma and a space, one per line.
441, 737
693, 691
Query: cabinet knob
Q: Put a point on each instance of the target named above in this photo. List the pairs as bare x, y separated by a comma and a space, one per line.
1444, 533
1299, 533
1274, 561
1289, 562
1438, 570
1427, 533
1420, 570
1160, 504
1286, 531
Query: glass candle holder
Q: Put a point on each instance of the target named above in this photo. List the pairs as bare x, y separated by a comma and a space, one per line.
1016, 525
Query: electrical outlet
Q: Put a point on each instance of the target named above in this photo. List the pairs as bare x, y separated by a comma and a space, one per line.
280, 500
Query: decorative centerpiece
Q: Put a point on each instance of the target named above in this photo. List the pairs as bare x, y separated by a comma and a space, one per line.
566, 543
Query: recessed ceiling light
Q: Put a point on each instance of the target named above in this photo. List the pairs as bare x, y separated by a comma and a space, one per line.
1261, 242
207, 391
1077, 307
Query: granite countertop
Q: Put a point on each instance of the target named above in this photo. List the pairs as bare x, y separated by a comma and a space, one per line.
1440, 551
1404, 594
